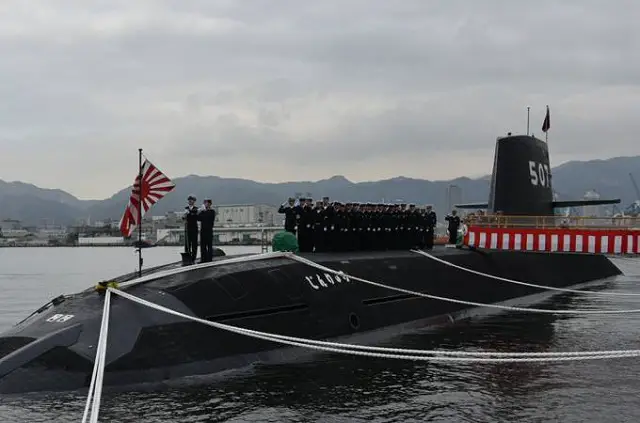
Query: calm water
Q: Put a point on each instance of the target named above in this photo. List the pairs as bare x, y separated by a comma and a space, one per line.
343, 388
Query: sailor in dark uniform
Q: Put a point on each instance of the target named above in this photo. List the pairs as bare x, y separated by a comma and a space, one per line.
207, 217
354, 227
318, 227
329, 226
340, 226
306, 226
431, 222
454, 224
291, 210
421, 220
387, 225
393, 224
413, 221
364, 237
191, 222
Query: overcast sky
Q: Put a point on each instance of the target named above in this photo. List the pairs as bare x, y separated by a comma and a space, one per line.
303, 90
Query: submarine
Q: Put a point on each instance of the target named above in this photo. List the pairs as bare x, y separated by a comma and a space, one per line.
54, 348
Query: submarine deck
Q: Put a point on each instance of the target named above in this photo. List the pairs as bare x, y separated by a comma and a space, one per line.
438, 250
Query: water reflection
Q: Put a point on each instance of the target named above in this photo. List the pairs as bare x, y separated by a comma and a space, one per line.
354, 387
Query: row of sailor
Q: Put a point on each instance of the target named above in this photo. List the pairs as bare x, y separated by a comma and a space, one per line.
335, 226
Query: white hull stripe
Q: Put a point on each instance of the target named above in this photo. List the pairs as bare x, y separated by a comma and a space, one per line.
566, 246
592, 242
505, 242
617, 245
554, 242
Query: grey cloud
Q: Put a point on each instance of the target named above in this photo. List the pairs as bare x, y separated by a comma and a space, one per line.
338, 82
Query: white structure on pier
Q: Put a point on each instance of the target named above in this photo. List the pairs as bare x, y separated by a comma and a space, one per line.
247, 214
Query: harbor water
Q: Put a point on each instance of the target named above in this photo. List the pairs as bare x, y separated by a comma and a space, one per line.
341, 388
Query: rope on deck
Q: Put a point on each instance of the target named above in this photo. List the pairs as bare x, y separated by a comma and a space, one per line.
533, 285
453, 300
95, 387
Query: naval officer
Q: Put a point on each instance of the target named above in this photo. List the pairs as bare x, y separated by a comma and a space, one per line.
190, 217
306, 225
454, 224
432, 220
291, 211
207, 217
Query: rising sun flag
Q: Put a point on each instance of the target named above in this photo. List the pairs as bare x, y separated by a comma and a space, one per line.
154, 186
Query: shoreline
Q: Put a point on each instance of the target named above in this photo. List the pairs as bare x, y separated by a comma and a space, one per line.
119, 245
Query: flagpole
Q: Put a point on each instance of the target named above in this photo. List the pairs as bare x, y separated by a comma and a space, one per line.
528, 108
140, 212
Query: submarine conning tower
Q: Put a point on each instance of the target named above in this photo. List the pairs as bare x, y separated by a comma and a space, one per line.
521, 178
520, 210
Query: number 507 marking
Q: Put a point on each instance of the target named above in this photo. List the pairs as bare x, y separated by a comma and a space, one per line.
60, 318
540, 174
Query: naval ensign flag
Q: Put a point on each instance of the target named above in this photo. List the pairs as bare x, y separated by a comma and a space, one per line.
144, 194
546, 124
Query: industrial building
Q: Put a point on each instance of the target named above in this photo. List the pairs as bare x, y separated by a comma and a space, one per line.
101, 240
247, 214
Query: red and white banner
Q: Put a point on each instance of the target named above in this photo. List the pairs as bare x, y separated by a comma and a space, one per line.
154, 186
605, 241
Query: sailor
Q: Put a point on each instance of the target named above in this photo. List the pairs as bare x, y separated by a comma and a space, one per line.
381, 223
421, 225
306, 226
291, 210
412, 225
364, 227
339, 227
393, 223
431, 222
454, 224
387, 222
402, 227
318, 229
410, 228
207, 217
190, 217
356, 226
328, 225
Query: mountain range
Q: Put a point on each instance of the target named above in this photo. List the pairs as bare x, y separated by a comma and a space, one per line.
31, 204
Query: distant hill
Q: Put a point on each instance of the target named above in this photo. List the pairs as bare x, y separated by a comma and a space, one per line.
32, 204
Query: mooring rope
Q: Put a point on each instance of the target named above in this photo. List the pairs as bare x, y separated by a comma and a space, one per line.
97, 377
265, 335
95, 387
533, 285
453, 300
370, 351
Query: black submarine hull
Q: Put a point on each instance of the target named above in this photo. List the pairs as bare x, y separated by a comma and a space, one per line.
54, 349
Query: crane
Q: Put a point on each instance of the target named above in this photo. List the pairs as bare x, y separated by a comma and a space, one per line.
635, 186
634, 208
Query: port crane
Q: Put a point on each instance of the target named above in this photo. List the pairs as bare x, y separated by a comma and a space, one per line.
634, 208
